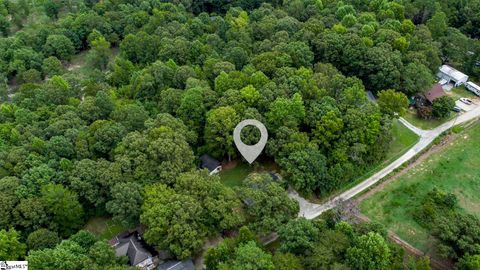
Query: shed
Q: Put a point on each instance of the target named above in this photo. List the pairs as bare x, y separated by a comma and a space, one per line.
473, 87
434, 93
448, 74
177, 265
211, 164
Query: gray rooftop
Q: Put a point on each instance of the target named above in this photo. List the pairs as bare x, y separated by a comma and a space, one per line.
133, 249
177, 265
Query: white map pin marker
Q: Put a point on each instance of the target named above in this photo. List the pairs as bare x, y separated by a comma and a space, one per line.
250, 152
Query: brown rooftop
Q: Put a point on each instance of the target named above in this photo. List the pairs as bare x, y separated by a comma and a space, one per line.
435, 92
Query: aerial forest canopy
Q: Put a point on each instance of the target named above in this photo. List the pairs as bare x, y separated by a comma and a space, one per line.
105, 106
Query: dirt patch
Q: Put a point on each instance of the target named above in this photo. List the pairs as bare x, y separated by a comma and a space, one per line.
229, 165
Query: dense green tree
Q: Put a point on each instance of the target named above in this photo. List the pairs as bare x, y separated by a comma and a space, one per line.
99, 53
62, 204
287, 261
52, 66
286, 112
369, 252
298, 236
221, 208
42, 238
121, 71
306, 170
131, 116
30, 214
172, 221
158, 156
392, 103
443, 106
250, 257
125, 203
192, 109
469, 263
219, 126
438, 24
10, 246
416, 78
59, 46
140, 48
265, 213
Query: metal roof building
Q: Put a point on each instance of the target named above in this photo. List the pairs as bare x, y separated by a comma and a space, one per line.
448, 74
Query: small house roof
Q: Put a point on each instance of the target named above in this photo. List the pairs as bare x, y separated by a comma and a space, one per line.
209, 163
453, 73
177, 265
131, 247
435, 92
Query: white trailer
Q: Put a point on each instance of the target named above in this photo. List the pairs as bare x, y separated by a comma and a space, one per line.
473, 87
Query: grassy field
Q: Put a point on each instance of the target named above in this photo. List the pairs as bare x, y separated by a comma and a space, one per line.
234, 177
104, 227
460, 92
403, 139
453, 169
411, 116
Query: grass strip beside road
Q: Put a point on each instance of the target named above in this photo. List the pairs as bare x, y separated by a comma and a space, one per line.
453, 168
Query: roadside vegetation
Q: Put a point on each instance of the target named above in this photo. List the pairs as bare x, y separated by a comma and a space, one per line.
451, 170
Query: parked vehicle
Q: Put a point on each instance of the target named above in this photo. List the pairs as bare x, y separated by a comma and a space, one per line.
456, 109
466, 101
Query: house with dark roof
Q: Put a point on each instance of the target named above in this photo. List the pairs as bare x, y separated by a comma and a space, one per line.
133, 246
211, 164
177, 265
434, 93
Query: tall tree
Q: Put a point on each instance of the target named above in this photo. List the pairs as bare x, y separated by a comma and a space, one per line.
62, 204
392, 103
10, 246
369, 252
218, 132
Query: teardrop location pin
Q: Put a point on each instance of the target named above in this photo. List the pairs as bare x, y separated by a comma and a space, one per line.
250, 152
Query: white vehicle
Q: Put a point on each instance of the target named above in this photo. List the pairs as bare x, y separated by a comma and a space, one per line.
466, 101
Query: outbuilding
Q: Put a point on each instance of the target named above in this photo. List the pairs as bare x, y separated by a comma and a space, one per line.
473, 87
449, 75
211, 164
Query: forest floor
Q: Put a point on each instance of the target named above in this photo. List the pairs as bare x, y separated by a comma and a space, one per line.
451, 166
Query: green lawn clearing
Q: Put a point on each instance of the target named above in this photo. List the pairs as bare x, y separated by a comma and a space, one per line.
411, 116
104, 227
403, 138
234, 177
453, 169
459, 92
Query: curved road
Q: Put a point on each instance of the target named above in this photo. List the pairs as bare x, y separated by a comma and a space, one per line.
310, 210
